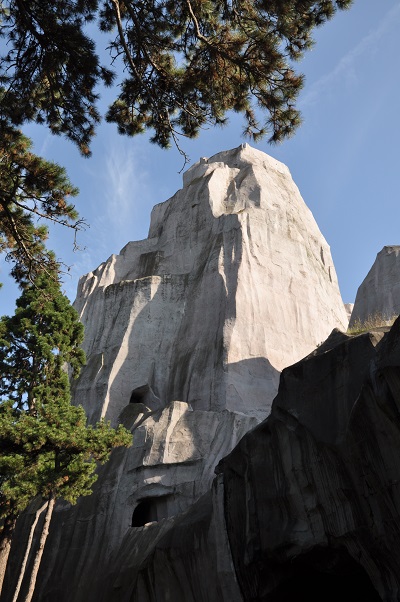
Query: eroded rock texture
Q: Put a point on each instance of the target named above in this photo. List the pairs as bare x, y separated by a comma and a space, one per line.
234, 282
306, 507
379, 293
186, 333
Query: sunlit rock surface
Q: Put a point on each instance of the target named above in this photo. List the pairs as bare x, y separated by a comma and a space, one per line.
349, 309
234, 283
378, 296
186, 333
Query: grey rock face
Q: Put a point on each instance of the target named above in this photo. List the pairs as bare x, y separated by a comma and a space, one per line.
186, 333
306, 507
234, 283
379, 293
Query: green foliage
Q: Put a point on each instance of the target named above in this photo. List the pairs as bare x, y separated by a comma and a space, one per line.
37, 342
46, 446
51, 451
186, 64
17, 470
50, 69
31, 189
372, 322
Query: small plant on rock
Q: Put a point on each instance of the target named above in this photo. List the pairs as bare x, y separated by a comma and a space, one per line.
372, 322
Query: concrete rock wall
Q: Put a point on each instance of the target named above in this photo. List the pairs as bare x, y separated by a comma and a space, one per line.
234, 283
186, 333
307, 505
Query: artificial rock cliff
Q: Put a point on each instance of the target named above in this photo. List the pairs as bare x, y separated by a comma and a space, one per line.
234, 282
306, 507
379, 293
186, 334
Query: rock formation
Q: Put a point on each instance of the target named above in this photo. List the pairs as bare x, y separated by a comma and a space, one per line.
379, 293
349, 309
186, 333
306, 507
234, 282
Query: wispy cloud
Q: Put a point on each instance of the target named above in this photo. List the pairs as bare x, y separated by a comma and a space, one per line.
346, 68
125, 182
114, 206
46, 145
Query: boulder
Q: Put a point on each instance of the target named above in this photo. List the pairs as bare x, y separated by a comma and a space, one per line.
349, 309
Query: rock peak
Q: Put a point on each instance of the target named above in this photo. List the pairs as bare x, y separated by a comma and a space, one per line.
186, 333
378, 296
236, 281
236, 158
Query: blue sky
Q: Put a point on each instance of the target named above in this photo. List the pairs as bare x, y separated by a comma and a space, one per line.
344, 158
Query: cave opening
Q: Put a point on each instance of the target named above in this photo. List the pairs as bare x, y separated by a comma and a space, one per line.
143, 513
150, 509
324, 574
138, 395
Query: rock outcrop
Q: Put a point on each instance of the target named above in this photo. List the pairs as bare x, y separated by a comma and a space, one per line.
186, 333
378, 296
306, 507
234, 282
349, 309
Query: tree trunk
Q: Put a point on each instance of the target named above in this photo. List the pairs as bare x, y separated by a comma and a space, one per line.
5, 546
39, 553
27, 551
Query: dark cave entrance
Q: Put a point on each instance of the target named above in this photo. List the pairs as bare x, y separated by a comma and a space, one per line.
324, 575
150, 509
143, 513
138, 395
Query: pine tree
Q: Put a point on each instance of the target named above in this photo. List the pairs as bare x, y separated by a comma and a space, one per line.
37, 341
54, 455
17, 485
183, 65
186, 63
31, 189
47, 448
